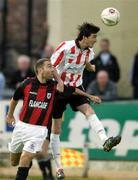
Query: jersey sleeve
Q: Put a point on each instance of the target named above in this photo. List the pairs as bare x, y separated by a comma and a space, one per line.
58, 55
91, 55
19, 92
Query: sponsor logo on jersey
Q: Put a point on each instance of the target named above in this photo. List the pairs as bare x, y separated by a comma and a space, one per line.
38, 104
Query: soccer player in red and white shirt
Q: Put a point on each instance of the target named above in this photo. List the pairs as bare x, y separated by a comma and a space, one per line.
70, 58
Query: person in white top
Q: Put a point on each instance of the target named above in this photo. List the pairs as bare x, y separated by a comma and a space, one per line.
70, 58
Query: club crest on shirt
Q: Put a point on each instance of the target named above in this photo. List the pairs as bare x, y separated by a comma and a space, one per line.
49, 95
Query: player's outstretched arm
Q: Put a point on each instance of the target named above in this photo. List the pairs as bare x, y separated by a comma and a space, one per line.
60, 87
95, 99
10, 118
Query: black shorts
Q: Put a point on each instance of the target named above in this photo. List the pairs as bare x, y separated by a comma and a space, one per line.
74, 101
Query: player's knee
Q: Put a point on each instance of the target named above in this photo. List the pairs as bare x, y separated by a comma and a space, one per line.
14, 162
56, 131
89, 111
26, 158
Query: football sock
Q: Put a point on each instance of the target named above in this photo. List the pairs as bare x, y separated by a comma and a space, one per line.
55, 146
97, 126
45, 167
22, 173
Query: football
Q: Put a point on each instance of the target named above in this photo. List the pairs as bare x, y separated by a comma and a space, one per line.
110, 16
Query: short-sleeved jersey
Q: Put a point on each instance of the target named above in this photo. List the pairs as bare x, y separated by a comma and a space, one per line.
38, 100
70, 62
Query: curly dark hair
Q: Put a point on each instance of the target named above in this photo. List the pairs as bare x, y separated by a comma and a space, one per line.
86, 29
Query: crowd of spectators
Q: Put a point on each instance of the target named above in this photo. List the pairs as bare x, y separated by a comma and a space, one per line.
104, 81
105, 60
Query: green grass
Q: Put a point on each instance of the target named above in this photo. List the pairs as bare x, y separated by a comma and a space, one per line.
69, 178
40, 178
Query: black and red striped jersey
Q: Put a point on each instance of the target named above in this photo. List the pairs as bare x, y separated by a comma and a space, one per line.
38, 101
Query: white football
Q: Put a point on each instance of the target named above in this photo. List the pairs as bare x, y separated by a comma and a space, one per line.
110, 16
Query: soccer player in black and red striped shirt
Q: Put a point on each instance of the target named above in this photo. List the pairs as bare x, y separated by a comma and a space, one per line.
30, 131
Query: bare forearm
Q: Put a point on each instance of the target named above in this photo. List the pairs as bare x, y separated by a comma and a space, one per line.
57, 76
60, 85
81, 93
95, 99
12, 107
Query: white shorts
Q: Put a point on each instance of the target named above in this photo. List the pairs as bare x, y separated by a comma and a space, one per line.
27, 137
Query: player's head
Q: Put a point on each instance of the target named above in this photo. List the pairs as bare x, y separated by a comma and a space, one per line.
44, 69
23, 62
87, 34
104, 45
102, 78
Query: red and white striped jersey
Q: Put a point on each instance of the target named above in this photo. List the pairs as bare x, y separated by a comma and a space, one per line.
70, 62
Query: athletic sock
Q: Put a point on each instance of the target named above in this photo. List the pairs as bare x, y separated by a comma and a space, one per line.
45, 167
55, 146
42, 167
49, 167
97, 126
22, 173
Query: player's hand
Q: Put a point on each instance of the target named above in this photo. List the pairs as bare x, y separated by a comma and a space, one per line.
95, 99
93, 68
10, 120
60, 86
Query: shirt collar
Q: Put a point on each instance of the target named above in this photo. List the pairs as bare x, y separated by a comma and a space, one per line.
78, 45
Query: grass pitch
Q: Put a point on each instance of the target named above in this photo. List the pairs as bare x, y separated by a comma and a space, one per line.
69, 178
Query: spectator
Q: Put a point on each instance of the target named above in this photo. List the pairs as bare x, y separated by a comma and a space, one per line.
2, 84
105, 60
22, 72
47, 51
135, 77
103, 87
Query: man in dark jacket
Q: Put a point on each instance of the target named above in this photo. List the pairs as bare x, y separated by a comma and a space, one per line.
105, 60
23, 71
